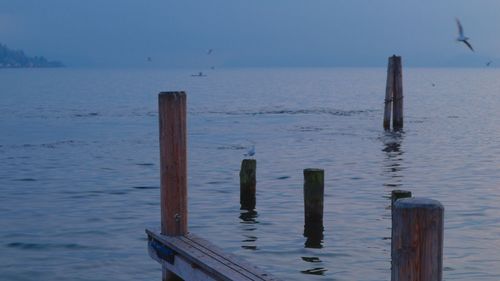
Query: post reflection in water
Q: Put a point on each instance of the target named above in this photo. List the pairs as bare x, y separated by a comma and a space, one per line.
394, 158
249, 222
392, 166
313, 232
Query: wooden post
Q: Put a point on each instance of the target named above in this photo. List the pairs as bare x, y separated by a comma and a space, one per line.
173, 163
397, 105
173, 167
389, 88
313, 206
399, 194
417, 242
248, 184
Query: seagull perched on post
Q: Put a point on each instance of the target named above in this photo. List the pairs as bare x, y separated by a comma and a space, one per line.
251, 151
461, 36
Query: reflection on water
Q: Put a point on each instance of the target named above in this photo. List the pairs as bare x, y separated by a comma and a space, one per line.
393, 162
315, 271
79, 169
249, 226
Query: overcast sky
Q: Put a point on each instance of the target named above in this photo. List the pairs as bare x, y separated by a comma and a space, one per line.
178, 33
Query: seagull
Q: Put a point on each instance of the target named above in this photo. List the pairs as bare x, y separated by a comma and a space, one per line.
489, 63
461, 37
251, 151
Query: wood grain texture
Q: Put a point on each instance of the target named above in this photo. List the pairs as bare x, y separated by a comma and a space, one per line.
173, 162
417, 242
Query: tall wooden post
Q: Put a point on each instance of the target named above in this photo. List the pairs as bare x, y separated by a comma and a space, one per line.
173, 167
397, 105
248, 184
394, 94
389, 88
417, 241
314, 190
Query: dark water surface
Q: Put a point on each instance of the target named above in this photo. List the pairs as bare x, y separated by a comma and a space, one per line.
79, 173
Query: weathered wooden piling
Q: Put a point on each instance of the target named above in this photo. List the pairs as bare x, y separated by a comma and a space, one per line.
399, 194
173, 167
394, 94
248, 183
397, 104
417, 241
173, 163
313, 201
389, 88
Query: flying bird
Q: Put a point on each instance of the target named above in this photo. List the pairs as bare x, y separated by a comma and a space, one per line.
461, 36
209, 51
489, 63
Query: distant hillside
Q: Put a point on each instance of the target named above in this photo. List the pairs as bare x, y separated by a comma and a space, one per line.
16, 59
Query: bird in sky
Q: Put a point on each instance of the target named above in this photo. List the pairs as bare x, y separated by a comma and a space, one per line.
209, 51
149, 59
461, 36
489, 63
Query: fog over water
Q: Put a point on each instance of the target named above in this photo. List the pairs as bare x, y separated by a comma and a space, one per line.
251, 33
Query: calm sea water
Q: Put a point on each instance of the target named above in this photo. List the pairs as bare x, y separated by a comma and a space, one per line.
79, 168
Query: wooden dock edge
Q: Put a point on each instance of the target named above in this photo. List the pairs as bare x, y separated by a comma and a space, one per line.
195, 259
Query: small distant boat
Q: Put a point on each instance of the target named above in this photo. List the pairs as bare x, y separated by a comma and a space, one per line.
199, 74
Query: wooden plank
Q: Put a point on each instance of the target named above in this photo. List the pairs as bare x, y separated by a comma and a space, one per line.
237, 263
210, 259
210, 266
182, 267
173, 163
